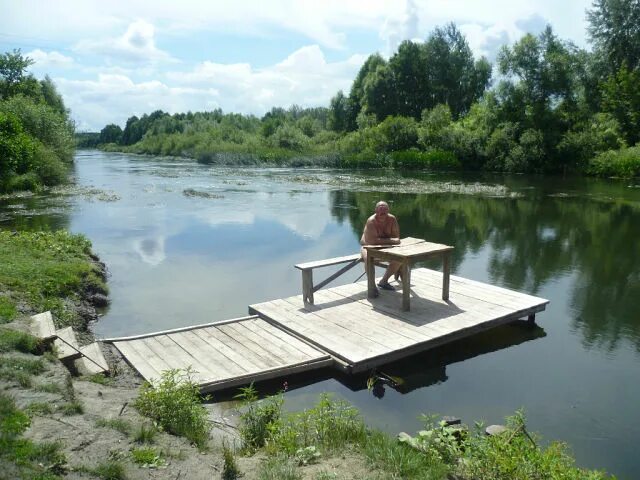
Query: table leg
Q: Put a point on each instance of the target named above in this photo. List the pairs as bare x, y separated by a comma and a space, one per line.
445, 276
405, 269
370, 268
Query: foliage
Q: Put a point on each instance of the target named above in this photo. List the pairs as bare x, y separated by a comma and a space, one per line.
174, 403
515, 455
15, 340
279, 468
259, 418
118, 424
8, 311
21, 457
432, 160
147, 457
621, 98
230, 470
110, 134
623, 163
145, 433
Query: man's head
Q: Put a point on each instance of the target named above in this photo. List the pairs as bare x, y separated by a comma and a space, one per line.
382, 209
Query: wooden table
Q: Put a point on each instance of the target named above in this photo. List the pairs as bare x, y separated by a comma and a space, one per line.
407, 255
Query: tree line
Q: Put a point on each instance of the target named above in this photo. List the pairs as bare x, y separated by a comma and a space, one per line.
36, 132
553, 107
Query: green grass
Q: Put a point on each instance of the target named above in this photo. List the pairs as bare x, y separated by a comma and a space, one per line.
109, 470
22, 458
50, 388
174, 402
145, 433
279, 468
118, 424
8, 309
20, 370
39, 408
230, 470
43, 269
15, 340
147, 457
74, 407
99, 378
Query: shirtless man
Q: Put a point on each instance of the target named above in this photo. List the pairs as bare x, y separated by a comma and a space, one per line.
382, 229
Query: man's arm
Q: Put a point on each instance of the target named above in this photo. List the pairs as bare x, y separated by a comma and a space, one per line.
370, 235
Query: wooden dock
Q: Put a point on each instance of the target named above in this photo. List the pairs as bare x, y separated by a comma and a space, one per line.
361, 333
343, 328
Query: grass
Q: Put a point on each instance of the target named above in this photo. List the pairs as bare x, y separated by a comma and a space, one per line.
73, 407
174, 402
147, 457
44, 269
145, 433
8, 310
99, 378
39, 408
437, 452
20, 370
230, 470
109, 470
118, 424
49, 388
15, 340
20, 457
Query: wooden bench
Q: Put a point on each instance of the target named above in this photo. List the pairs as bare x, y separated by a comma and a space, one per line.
308, 288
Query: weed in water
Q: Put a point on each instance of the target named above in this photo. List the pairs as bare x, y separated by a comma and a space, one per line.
110, 470
174, 402
147, 457
118, 424
74, 407
39, 408
145, 433
279, 468
15, 340
230, 470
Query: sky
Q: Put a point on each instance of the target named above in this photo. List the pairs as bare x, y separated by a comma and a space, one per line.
111, 60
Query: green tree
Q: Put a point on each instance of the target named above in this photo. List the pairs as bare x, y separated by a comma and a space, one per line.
338, 113
621, 98
13, 68
379, 93
111, 133
614, 29
16, 148
410, 74
356, 95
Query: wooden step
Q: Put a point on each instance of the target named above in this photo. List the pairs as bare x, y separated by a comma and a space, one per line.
66, 344
92, 360
42, 326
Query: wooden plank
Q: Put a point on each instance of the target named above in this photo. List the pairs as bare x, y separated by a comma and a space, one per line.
206, 358
173, 355
157, 361
42, 326
242, 362
257, 345
174, 330
304, 325
305, 348
229, 338
137, 361
93, 359
66, 344
327, 262
292, 354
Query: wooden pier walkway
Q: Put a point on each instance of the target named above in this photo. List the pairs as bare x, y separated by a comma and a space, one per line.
342, 328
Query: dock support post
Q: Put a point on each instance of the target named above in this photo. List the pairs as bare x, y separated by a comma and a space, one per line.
307, 286
446, 270
531, 319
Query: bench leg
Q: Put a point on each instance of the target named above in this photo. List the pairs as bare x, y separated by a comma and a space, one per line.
405, 270
307, 287
445, 277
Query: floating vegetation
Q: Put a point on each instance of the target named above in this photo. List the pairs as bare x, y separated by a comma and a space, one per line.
190, 192
90, 193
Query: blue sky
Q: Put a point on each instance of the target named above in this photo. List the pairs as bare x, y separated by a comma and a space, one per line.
114, 59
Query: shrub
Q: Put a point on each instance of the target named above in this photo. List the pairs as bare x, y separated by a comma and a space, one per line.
230, 470
623, 163
258, 419
147, 457
434, 160
174, 402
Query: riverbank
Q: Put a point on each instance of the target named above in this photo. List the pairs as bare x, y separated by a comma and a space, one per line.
57, 424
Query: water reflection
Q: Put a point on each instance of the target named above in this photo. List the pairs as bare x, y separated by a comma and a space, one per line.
532, 240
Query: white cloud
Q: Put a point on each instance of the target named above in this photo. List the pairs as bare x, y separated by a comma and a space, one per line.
45, 60
136, 45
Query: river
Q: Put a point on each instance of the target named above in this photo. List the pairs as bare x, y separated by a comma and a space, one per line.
187, 243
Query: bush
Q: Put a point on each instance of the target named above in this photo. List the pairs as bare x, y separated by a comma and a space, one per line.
366, 159
259, 418
434, 160
396, 133
623, 163
174, 402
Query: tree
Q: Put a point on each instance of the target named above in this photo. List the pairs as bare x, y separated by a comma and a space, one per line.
111, 133
614, 29
621, 98
51, 96
356, 94
380, 93
338, 113
410, 74
12, 72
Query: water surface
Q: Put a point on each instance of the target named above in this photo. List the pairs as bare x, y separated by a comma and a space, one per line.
187, 244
